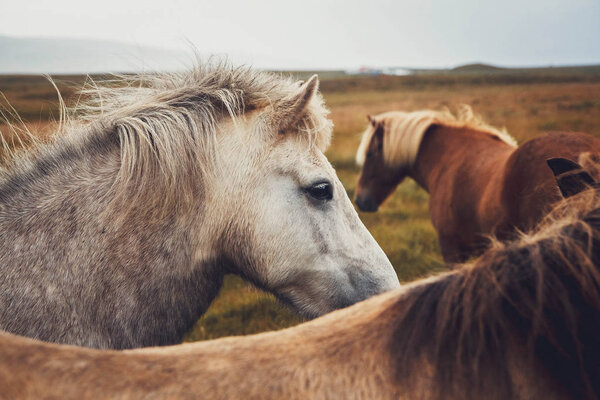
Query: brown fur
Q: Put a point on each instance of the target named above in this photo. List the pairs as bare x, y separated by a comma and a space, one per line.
519, 323
528, 306
479, 185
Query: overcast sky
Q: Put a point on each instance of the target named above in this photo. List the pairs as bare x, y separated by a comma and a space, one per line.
330, 33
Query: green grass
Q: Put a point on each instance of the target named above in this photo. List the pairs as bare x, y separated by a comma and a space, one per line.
242, 310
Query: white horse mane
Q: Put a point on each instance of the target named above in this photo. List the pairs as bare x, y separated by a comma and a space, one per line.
404, 131
166, 124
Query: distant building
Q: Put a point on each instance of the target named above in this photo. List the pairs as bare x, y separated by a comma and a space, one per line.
398, 71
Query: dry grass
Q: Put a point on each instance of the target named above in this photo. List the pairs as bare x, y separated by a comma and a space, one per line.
527, 104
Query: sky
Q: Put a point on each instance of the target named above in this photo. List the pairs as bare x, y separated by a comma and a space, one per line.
330, 34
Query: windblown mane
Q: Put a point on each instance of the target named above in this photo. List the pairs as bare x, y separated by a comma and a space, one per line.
403, 132
166, 124
538, 298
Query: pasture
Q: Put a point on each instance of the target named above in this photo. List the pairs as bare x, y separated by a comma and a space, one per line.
527, 103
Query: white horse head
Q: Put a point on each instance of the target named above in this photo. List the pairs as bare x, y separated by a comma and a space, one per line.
291, 228
172, 184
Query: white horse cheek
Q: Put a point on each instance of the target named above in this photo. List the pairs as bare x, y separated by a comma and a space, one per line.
365, 262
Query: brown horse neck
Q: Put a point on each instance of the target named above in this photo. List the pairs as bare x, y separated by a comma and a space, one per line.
265, 366
445, 148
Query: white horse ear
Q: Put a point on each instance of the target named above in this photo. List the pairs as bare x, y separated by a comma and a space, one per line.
293, 108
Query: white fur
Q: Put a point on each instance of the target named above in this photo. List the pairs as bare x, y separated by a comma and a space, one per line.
224, 155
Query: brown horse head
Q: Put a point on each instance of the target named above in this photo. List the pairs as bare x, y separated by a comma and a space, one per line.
390, 146
571, 177
378, 179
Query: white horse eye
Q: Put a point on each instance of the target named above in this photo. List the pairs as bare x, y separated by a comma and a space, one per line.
322, 191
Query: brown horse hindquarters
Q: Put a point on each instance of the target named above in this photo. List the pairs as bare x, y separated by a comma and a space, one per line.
464, 185
529, 188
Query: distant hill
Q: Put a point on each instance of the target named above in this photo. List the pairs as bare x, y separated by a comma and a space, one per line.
477, 68
58, 55
552, 70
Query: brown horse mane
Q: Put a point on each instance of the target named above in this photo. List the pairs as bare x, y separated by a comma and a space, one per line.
404, 131
538, 297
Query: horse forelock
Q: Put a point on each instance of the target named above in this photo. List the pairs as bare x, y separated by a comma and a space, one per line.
537, 299
404, 131
167, 124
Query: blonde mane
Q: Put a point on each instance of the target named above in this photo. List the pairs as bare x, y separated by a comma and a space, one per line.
404, 131
166, 124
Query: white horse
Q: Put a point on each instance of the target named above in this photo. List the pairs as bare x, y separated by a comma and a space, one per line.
119, 233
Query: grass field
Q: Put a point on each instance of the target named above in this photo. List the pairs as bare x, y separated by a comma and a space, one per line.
527, 103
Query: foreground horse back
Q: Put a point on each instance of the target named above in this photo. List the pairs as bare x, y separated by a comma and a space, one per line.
521, 322
480, 183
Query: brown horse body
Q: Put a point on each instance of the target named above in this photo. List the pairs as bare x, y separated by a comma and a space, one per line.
519, 323
479, 183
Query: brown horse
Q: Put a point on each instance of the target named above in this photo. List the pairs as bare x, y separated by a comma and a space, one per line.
480, 183
521, 322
